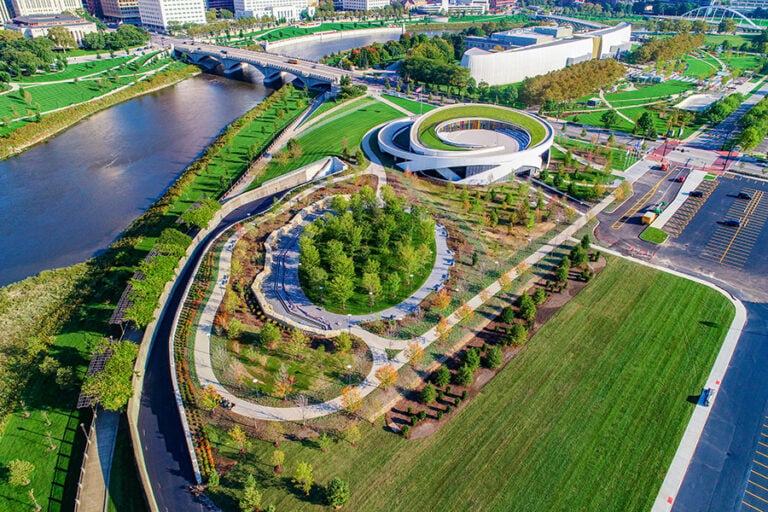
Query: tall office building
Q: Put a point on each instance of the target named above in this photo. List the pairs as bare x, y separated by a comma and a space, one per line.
363, 5
5, 15
288, 10
32, 7
159, 14
126, 11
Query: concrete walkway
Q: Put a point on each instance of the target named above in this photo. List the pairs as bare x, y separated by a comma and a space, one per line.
692, 181
94, 493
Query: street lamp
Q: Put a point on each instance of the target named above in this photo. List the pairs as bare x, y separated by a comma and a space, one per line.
411, 280
349, 374
349, 323
370, 302
321, 295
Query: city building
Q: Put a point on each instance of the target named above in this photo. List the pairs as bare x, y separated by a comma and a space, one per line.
158, 15
469, 144
221, 4
456, 6
5, 14
506, 66
38, 25
34, 7
363, 5
518, 37
288, 10
744, 6
126, 11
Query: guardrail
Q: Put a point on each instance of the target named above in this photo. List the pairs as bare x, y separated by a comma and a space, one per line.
89, 438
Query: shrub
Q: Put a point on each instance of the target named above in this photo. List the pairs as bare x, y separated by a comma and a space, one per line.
439, 415
405, 429
337, 493
508, 315
448, 409
493, 358
20, 472
539, 296
422, 415
414, 419
428, 394
464, 376
458, 402
471, 358
464, 394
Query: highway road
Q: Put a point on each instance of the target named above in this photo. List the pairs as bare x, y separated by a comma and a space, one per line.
162, 437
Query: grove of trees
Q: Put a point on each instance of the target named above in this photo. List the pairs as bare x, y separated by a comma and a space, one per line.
126, 36
571, 82
663, 49
366, 251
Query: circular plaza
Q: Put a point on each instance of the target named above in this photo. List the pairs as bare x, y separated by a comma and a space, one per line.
469, 144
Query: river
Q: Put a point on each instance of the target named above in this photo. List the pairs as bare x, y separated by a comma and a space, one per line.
64, 201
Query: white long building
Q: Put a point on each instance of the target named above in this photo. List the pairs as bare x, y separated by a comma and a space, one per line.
159, 14
517, 64
289, 10
35, 7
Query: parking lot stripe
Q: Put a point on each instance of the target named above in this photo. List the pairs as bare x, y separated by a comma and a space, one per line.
756, 496
760, 464
758, 485
752, 506
760, 474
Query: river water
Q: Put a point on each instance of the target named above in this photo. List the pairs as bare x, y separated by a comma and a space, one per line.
63, 201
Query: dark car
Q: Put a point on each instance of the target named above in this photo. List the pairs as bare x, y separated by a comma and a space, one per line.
734, 223
696, 193
744, 195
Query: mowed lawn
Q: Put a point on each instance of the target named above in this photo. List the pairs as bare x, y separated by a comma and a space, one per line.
327, 137
588, 417
416, 107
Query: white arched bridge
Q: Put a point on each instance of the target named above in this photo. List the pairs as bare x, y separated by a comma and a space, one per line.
273, 67
717, 13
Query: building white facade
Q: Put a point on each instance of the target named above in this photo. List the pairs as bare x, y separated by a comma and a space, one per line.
476, 150
289, 10
33, 7
515, 65
363, 5
4, 14
39, 25
159, 14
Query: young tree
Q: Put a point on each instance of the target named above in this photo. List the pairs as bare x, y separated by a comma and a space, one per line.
324, 442
251, 499
239, 439
371, 283
428, 394
387, 375
208, 398
337, 493
578, 256
341, 288
213, 479
234, 329
269, 335
277, 461
303, 477
343, 342
393, 283
441, 377
608, 118
284, 382
414, 352
493, 358
585, 242
296, 344
352, 435
508, 315
20, 472
519, 334
351, 401
464, 375
539, 296
527, 307
442, 299
561, 274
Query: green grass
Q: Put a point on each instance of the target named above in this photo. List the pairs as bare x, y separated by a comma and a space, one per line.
77, 70
740, 63
125, 491
700, 67
653, 235
326, 138
621, 161
348, 106
429, 138
325, 107
649, 93
416, 107
587, 417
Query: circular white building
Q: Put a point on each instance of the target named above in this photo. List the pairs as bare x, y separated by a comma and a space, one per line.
469, 144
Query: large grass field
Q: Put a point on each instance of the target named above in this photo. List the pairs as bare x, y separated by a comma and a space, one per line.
77, 70
327, 137
587, 417
699, 67
649, 93
416, 107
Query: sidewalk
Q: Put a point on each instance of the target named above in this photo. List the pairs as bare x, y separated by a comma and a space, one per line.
94, 493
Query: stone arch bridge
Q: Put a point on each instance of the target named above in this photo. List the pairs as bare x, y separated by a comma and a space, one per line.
273, 67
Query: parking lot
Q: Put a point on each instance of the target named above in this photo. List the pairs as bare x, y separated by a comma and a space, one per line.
756, 492
701, 241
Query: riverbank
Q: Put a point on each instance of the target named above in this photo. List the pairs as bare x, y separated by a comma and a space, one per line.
52, 124
62, 314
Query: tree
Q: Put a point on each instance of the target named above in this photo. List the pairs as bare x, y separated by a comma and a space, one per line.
414, 352
428, 394
585, 242
343, 342
234, 329
508, 315
277, 461
337, 493
238, 437
393, 284
274, 433
518, 335
645, 125
442, 299
608, 118
561, 274
351, 401
251, 499
441, 377
324, 442
269, 335
20, 472
539, 296
296, 344
493, 358
579, 256
352, 435
61, 37
387, 375
527, 307
303, 477
208, 398
284, 382
371, 283
341, 288
464, 375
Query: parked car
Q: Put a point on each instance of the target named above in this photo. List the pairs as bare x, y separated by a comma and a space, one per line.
734, 223
696, 193
680, 179
744, 195
705, 396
